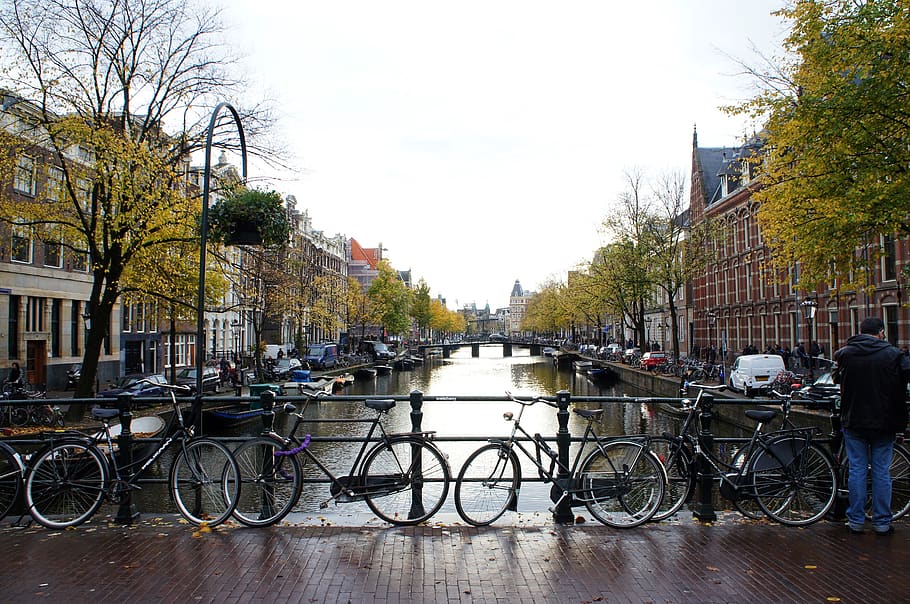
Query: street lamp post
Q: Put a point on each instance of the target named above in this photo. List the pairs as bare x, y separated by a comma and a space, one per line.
809, 308
647, 346
712, 322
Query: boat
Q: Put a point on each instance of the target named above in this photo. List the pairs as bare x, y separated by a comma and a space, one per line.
229, 416
383, 369
548, 351
364, 373
322, 384
149, 426
602, 375
582, 366
342, 381
403, 364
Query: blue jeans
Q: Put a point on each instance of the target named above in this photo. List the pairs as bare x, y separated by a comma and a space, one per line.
867, 454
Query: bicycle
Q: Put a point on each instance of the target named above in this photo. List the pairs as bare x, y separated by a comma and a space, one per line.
403, 478
11, 470
67, 481
900, 462
621, 487
791, 479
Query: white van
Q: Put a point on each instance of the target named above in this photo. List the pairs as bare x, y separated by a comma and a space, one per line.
755, 372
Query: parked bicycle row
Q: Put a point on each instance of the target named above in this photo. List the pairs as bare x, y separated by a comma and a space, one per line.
787, 474
33, 414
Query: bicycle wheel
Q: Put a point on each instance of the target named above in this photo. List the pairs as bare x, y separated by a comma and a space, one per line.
405, 480
43, 415
747, 505
10, 479
622, 484
66, 484
900, 483
204, 482
269, 484
677, 461
487, 484
18, 416
796, 485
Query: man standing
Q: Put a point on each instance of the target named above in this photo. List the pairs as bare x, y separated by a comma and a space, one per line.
873, 377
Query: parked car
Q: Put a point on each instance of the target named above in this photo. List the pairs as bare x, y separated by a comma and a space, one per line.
322, 356
211, 382
137, 385
285, 368
498, 337
377, 350
630, 354
652, 359
753, 373
820, 394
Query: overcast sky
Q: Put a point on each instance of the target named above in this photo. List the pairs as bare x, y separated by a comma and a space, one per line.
484, 142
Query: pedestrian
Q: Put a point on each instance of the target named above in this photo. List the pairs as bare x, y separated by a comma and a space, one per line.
14, 378
873, 377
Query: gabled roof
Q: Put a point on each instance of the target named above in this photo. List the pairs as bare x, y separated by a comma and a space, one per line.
361, 254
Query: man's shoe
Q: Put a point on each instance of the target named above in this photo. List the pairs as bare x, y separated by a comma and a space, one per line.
886, 532
853, 530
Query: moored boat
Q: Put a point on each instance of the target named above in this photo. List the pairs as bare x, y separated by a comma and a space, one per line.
383, 369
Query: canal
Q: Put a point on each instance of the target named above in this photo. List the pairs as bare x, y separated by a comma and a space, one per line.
457, 379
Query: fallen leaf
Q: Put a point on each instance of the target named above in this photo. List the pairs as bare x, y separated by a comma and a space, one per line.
713, 568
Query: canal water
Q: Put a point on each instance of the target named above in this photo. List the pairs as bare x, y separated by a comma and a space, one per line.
457, 379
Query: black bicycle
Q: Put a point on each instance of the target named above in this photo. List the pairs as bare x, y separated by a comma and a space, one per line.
67, 481
622, 485
791, 478
403, 477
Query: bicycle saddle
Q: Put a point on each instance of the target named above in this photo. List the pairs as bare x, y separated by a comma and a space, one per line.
100, 413
380, 405
761, 415
588, 413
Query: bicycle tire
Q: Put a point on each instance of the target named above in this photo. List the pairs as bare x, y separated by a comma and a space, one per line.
900, 484
10, 479
204, 482
801, 491
487, 484
748, 505
622, 484
18, 416
677, 462
400, 490
66, 484
269, 484
43, 415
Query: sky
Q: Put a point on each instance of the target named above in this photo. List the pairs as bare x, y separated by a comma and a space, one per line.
484, 142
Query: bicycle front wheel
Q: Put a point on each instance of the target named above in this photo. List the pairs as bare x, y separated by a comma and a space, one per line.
677, 462
900, 483
487, 484
405, 480
204, 482
269, 484
799, 491
10, 479
66, 484
622, 484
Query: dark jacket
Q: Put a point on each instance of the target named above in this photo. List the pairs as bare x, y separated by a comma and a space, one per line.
873, 377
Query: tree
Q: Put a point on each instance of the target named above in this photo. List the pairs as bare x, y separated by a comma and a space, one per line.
420, 307
390, 298
837, 112
106, 79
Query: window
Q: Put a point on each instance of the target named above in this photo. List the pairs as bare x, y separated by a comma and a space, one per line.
26, 181
84, 193
55, 327
13, 327
54, 183
34, 317
53, 254
80, 261
889, 258
75, 321
21, 247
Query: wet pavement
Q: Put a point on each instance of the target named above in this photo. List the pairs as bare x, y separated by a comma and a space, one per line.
522, 558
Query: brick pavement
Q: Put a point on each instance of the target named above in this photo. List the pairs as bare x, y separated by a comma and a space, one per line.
527, 559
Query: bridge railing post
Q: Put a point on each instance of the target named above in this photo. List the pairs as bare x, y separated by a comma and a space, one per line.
704, 507
563, 511
417, 508
126, 511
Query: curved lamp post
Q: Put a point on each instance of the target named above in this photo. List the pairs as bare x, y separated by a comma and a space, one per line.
809, 307
200, 308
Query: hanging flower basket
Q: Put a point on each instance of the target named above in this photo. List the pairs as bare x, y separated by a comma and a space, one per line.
250, 217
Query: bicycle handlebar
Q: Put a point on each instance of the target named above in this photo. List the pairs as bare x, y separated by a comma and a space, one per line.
536, 399
718, 387
173, 387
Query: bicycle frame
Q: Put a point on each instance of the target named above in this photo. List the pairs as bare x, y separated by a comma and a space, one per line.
346, 488
568, 489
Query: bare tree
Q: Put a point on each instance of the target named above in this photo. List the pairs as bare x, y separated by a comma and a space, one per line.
110, 78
